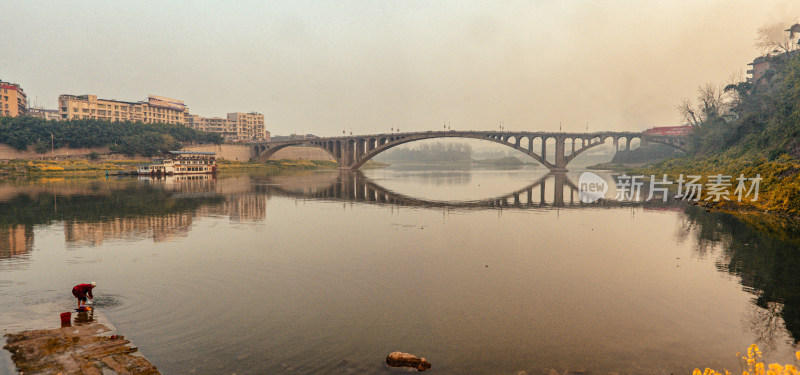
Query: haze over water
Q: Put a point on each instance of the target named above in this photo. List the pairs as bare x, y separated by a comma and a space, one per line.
320, 273
368, 67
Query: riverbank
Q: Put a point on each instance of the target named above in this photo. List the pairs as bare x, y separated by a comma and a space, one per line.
87, 348
778, 191
85, 167
618, 167
66, 167
286, 164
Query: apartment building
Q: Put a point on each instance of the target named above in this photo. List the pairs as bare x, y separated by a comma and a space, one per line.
13, 101
249, 126
212, 125
237, 127
156, 109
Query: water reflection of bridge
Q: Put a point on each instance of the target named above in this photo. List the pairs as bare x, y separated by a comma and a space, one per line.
552, 190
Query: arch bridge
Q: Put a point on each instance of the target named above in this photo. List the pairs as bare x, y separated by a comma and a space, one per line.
351, 152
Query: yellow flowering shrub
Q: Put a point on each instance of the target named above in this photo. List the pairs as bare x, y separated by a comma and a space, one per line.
754, 365
53, 168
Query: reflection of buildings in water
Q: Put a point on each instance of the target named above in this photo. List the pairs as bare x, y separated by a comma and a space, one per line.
239, 204
160, 228
240, 207
200, 183
15, 240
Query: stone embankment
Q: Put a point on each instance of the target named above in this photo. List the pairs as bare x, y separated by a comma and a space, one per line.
86, 348
9, 153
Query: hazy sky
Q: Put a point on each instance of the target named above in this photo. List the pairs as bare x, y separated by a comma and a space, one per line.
324, 66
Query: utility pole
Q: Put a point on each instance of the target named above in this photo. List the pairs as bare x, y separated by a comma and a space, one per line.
52, 146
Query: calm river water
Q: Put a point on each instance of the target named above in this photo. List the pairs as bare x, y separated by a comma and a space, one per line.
327, 273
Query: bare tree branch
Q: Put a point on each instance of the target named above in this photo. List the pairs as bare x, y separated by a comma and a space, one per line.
686, 109
777, 39
713, 102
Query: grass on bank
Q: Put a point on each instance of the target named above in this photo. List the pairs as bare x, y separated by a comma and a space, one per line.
779, 189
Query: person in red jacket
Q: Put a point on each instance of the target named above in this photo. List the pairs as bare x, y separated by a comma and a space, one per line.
81, 291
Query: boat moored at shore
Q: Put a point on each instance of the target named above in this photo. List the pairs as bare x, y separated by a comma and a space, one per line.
181, 162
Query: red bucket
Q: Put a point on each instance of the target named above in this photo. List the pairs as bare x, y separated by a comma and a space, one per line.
66, 317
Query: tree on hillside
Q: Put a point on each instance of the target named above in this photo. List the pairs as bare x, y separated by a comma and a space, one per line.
146, 144
713, 103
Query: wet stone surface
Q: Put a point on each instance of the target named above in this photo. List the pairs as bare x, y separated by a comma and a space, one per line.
81, 349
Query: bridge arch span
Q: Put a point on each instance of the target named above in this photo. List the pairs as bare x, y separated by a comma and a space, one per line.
509, 141
264, 152
352, 152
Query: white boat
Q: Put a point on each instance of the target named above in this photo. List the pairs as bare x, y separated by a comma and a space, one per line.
181, 162
158, 166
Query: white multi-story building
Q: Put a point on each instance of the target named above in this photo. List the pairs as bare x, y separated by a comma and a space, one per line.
156, 109
237, 127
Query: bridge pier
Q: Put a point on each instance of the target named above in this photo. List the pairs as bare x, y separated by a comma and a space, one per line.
561, 161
